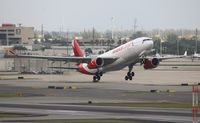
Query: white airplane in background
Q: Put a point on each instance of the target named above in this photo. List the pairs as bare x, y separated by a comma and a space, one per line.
195, 55
116, 59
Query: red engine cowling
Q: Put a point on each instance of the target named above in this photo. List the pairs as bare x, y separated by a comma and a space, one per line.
95, 63
151, 63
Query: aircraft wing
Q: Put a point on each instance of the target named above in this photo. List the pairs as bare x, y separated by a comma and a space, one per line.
170, 57
160, 58
68, 59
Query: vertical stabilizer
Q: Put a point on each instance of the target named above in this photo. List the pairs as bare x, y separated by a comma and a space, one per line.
76, 49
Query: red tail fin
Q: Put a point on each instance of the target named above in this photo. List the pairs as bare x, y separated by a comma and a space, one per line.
76, 49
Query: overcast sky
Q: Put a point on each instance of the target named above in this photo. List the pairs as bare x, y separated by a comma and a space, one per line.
75, 15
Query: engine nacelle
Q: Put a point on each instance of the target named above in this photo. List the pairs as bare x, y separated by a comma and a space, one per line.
95, 63
151, 63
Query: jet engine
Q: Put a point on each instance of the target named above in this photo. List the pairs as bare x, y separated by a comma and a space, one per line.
151, 63
95, 63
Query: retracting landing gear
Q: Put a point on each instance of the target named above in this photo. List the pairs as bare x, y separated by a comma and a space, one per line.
130, 74
97, 77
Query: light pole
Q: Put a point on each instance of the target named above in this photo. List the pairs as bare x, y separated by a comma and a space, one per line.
161, 47
177, 47
7, 42
67, 41
112, 21
196, 48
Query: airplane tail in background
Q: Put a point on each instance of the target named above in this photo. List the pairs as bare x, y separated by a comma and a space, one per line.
195, 53
185, 54
76, 49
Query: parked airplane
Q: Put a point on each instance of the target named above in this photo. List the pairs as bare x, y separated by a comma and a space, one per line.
195, 55
116, 59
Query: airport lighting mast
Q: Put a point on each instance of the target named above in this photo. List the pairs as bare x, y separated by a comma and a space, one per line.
7, 41
93, 35
112, 21
67, 41
177, 47
135, 25
42, 32
161, 41
196, 33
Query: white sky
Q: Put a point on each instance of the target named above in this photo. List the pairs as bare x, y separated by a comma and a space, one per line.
75, 15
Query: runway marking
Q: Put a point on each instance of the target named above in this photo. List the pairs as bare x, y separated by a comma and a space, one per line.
64, 111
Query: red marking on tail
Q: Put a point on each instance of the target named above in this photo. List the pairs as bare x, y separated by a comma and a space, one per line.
76, 49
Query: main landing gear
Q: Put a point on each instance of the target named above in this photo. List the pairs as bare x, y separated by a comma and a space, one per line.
130, 74
97, 77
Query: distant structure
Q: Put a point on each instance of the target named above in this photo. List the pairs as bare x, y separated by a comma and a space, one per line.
12, 34
196, 38
135, 25
112, 28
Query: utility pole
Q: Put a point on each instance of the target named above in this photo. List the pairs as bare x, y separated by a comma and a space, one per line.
93, 35
67, 41
42, 32
196, 33
7, 42
177, 47
112, 21
161, 47
135, 25
160, 43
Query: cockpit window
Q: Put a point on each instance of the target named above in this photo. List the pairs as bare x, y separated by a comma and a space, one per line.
148, 39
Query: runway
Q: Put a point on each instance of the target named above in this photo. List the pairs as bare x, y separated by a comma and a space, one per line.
32, 97
162, 115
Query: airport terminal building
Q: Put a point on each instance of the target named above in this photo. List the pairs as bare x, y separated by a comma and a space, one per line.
12, 34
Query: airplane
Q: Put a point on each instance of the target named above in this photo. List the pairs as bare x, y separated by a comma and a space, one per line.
195, 55
116, 59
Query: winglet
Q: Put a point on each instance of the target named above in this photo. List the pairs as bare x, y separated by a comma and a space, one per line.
76, 49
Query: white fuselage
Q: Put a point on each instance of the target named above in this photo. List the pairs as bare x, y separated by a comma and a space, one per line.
196, 55
127, 54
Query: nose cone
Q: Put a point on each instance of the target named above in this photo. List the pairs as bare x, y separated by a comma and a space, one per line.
150, 43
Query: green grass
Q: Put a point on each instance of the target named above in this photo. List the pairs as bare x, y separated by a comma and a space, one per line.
10, 94
4, 115
88, 121
3, 78
148, 104
10, 115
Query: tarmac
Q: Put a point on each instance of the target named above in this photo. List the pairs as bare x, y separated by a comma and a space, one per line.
70, 100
